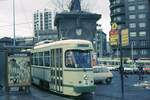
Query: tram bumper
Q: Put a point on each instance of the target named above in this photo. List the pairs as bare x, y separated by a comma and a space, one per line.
84, 89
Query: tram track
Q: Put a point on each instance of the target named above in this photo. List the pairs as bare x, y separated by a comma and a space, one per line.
108, 97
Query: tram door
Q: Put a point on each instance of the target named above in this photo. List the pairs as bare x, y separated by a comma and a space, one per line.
56, 70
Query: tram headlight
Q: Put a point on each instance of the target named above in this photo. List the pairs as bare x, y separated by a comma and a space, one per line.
80, 82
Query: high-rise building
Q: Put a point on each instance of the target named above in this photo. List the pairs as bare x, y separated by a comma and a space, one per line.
43, 22
100, 43
134, 15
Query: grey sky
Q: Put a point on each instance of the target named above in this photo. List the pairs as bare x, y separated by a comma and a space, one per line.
26, 8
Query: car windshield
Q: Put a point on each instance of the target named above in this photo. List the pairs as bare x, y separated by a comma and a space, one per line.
100, 70
78, 59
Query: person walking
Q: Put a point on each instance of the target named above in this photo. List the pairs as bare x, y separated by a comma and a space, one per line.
141, 73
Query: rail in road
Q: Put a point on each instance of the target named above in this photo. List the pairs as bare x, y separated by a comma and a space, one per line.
103, 92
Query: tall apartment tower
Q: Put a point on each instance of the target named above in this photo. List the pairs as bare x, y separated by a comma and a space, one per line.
43, 21
134, 15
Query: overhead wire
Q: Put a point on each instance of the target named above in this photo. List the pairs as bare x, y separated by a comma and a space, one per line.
10, 25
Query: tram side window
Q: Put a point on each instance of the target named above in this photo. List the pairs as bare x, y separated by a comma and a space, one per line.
59, 57
47, 58
36, 58
52, 58
33, 59
41, 58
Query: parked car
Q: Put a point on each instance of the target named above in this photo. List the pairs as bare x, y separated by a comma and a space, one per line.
102, 74
113, 68
130, 68
146, 69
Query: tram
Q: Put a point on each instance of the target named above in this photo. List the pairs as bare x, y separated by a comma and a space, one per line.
64, 67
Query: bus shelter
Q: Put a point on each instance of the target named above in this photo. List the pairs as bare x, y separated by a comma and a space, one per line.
15, 70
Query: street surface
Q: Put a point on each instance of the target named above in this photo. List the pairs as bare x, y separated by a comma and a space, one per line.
103, 92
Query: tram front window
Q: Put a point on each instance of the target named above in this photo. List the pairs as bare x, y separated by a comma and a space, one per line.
78, 59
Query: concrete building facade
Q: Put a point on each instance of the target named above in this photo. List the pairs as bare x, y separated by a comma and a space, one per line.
43, 22
134, 15
101, 43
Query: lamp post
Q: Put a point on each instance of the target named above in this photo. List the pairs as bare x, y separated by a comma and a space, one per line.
101, 34
121, 65
132, 50
14, 40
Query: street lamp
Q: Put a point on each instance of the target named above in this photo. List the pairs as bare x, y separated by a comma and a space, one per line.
132, 50
14, 42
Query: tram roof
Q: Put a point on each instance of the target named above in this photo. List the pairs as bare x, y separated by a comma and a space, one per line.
63, 43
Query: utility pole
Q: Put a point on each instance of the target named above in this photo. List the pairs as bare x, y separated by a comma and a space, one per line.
14, 29
101, 34
121, 65
132, 50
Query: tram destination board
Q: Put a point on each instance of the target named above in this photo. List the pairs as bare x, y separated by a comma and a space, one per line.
19, 69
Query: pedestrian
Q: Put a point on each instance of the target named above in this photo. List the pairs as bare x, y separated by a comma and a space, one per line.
141, 73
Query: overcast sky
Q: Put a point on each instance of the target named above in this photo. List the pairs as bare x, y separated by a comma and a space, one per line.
24, 15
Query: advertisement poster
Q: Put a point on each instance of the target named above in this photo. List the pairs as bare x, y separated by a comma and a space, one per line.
19, 70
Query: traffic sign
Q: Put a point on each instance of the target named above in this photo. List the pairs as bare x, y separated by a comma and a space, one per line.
114, 26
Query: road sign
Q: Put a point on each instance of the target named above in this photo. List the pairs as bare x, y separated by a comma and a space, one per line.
114, 26
124, 37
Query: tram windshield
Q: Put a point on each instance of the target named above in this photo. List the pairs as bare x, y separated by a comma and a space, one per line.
78, 59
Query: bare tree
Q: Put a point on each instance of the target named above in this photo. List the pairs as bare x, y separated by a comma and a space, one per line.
61, 5
64, 5
84, 5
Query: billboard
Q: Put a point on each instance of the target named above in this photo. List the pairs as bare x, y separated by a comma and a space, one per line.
19, 69
124, 37
113, 35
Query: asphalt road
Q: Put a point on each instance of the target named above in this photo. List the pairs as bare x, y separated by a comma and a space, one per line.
103, 92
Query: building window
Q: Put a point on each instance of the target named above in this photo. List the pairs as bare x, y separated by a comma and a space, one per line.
143, 43
117, 1
141, 16
141, 7
118, 10
133, 43
143, 24
143, 52
133, 34
131, 8
135, 52
132, 25
119, 26
118, 18
131, 0
142, 33
115, 19
132, 16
